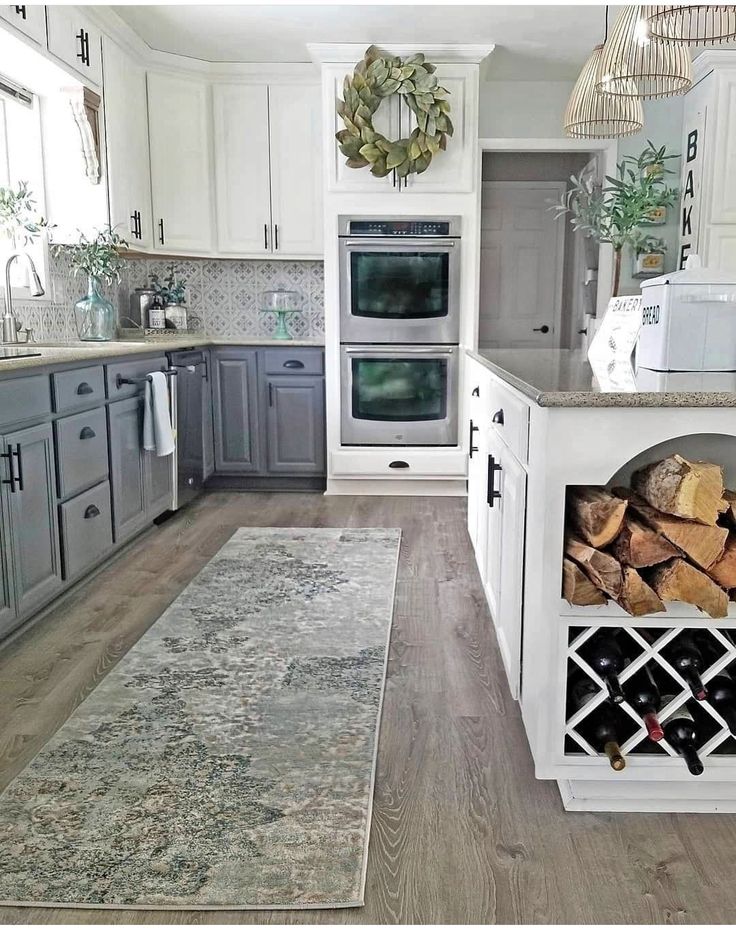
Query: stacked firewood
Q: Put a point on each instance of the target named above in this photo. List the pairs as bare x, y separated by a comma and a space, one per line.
671, 536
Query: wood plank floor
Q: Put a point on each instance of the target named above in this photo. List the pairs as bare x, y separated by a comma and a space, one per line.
462, 832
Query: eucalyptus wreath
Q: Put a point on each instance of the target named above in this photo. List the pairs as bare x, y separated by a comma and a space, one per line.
375, 78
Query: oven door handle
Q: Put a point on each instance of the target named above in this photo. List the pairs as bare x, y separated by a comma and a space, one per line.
392, 353
383, 244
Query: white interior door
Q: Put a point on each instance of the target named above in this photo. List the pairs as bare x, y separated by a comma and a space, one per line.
522, 255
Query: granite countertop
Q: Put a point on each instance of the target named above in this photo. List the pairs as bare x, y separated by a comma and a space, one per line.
564, 378
46, 353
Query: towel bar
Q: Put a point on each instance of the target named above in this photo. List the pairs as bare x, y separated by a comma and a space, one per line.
120, 380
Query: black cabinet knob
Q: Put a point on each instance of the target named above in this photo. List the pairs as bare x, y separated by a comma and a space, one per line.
543, 329
87, 433
475, 392
399, 464
497, 418
293, 363
91, 512
84, 388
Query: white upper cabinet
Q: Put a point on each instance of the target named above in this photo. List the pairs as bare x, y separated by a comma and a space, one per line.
268, 169
75, 41
30, 19
296, 169
126, 125
242, 181
181, 167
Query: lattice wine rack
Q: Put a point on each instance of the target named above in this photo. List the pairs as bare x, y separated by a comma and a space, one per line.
650, 646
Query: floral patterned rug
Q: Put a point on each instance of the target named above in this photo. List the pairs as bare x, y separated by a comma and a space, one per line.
228, 760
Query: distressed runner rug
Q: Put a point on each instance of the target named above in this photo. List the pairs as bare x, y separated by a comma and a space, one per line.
227, 761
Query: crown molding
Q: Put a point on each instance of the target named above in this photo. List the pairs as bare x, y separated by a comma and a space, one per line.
710, 59
350, 52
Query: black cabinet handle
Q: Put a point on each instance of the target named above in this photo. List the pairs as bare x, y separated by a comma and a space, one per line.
270, 394
276, 237
12, 480
497, 417
84, 388
473, 448
19, 459
583, 331
493, 494
399, 464
293, 363
136, 224
21, 11
161, 231
265, 236
91, 512
83, 52
475, 392
543, 329
87, 433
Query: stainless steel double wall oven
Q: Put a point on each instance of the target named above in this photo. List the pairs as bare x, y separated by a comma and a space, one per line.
399, 329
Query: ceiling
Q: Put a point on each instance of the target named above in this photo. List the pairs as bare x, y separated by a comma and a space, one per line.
532, 42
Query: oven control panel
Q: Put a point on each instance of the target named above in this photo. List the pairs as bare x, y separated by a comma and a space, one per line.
412, 227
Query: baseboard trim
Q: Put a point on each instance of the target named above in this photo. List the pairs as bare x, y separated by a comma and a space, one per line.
399, 488
244, 482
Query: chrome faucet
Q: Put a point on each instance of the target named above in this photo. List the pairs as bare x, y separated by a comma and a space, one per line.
10, 324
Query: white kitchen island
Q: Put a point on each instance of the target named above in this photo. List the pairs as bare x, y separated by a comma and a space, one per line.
538, 422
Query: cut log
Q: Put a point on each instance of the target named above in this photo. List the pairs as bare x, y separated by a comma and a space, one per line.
577, 588
595, 513
723, 571
640, 546
702, 544
729, 507
678, 580
690, 489
603, 570
637, 597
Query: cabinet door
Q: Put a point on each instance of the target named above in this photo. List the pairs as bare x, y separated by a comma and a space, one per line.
7, 607
179, 135
237, 445
508, 614
240, 115
28, 18
296, 170
454, 169
295, 425
127, 472
32, 517
492, 518
74, 40
477, 471
208, 438
126, 130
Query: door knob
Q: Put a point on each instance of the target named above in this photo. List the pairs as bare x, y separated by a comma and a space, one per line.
543, 329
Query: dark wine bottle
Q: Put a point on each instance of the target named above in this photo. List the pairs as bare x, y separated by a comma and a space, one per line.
600, 727
643, 695
680, 732
686, 657
605, 657
722, 687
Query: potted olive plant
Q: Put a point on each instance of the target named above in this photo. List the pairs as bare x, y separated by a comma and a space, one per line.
612, 212
100, 260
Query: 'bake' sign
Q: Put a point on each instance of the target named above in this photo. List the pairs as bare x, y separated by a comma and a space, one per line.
692, 161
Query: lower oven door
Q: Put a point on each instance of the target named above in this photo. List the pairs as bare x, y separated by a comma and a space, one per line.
402, 395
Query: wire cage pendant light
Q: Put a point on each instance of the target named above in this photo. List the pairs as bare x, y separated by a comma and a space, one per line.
693, 23
592, 115
635, 64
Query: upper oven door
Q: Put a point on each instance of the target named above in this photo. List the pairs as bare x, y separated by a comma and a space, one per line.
399, 290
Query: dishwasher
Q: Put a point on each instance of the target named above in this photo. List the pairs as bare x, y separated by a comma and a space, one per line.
187, 397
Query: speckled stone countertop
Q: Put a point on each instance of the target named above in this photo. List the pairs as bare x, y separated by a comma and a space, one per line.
564, 378
48, 353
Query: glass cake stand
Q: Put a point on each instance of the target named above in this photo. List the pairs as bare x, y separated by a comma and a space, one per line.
282, 303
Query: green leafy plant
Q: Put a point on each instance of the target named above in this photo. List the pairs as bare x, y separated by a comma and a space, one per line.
612, 212
375, 78
98, 257
170, 290
20, 222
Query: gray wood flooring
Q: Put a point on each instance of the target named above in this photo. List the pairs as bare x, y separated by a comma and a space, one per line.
462, 832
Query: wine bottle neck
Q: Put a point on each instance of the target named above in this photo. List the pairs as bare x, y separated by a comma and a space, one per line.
654, 729
613, 685
615, 758
692, 760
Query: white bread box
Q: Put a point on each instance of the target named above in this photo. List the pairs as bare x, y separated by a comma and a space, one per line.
688, 321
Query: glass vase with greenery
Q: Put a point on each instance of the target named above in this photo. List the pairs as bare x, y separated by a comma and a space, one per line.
613, 212
100, 260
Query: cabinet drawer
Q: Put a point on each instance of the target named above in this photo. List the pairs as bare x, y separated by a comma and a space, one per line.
24, 398
509, 417
131, 369
293, 361
400, 462
86, 529
81, 442
74, 390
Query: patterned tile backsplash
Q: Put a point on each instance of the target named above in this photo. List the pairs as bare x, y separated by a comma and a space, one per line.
223, 296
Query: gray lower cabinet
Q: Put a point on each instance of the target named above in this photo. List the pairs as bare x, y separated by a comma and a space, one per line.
295, 425
7, 607
208, 434
235, 392
29, 505
141, 483
86, 530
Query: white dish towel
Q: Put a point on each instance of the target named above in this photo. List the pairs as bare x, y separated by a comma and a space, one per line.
158, 436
